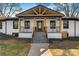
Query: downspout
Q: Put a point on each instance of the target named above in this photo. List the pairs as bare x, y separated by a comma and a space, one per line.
5, 27
75, 28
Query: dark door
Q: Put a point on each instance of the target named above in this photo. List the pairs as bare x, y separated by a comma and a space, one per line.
39, 25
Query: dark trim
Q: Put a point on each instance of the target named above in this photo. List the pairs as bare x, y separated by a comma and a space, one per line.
53, 26
66, 24
1, 25
53, 32
14, 25
26, 24
70, 19
4, 19
25, 32
39, 17
32, 17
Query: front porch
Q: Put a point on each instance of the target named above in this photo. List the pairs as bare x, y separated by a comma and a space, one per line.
40, 25
40, 19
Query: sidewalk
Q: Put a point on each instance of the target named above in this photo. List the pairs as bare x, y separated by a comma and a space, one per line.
38, 49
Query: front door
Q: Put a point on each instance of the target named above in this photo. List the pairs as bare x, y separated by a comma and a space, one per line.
39, 25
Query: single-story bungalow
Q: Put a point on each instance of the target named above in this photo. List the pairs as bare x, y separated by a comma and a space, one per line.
40, 19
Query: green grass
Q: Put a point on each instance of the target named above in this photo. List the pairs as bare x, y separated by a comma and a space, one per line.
14, 47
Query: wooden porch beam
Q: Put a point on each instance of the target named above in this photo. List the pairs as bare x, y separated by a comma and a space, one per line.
44, 11
45, 21
35, 24
35, 12
39, 10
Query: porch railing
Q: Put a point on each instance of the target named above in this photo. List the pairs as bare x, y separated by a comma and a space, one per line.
22, 29
45, 29
56, 29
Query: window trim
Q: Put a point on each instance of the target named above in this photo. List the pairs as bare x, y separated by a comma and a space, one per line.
53, 26
67, 24
14, 25
1, 25
26, 26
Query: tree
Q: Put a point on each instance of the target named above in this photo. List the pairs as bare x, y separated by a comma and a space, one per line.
69, 9
9, 9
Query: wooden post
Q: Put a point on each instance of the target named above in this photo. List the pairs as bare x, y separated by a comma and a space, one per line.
60, 24
19, 25
44, 24
39, 10
34, 29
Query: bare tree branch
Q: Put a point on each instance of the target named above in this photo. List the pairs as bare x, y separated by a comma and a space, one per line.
8, 9
69, 9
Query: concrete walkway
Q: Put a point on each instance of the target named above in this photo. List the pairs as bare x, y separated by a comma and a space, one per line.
38, 49
47, 53
39, 44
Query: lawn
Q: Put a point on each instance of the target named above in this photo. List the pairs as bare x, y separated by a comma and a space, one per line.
64, 48
14, 47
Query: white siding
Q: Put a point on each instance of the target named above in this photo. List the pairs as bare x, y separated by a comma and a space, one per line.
25, 35
77, 28
10, 29
55, 35
3, 27
70, 30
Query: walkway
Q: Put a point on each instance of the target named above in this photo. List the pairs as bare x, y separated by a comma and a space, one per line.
39, 44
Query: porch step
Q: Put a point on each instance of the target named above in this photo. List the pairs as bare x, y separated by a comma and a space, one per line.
40, 37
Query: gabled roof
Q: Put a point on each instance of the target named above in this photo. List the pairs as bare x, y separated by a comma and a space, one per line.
40, 11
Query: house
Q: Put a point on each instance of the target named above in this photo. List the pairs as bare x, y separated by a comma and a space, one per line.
40, 19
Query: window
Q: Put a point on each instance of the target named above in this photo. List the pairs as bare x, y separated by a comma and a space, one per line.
15, 24
27, 24
15, 34
66, 24
52, 24
0, 24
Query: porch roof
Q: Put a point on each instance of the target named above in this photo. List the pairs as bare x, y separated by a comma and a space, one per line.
40, 11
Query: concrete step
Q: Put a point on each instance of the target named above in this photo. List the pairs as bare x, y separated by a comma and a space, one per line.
40, 37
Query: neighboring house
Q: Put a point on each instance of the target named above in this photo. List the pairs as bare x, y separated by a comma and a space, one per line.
40, 19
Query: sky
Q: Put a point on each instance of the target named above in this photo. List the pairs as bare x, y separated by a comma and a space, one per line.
26, 6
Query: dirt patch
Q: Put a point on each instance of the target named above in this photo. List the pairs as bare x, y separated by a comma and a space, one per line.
64, 48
